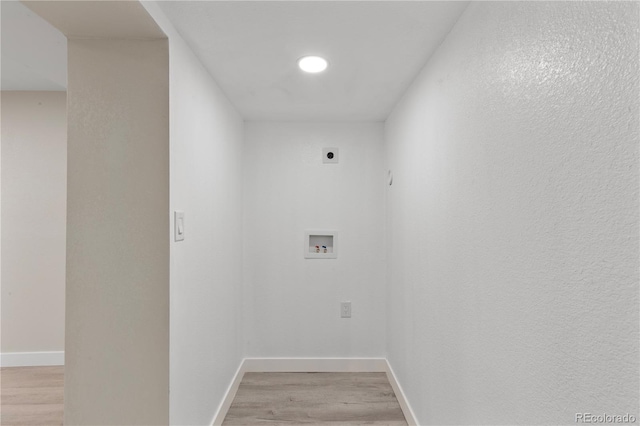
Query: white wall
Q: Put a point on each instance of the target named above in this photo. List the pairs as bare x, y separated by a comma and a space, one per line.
292, 304
513, 218
206, 268
34, 194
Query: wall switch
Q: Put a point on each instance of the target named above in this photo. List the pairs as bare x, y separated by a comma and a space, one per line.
345, 310
178, 225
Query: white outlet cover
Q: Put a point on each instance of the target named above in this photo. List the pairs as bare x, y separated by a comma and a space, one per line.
345, 309
330, 152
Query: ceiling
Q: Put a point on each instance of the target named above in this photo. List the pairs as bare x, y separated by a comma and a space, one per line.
34, 53
375, 49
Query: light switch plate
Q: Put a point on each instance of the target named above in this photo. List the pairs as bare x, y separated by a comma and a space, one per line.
178, 225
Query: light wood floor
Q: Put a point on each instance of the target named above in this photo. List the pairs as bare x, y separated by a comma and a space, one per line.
34, 396
315, 398
31, 396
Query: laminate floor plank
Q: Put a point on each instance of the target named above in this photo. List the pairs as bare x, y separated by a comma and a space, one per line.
315, 398
31, 396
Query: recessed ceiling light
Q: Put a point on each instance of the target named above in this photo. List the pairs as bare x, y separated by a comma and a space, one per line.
312, 64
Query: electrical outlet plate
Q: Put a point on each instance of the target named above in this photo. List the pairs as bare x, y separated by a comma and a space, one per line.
345, 309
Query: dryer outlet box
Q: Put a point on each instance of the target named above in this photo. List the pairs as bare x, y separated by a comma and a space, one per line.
330, 155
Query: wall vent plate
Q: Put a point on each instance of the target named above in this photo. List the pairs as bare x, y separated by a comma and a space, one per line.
330, 155
321, 244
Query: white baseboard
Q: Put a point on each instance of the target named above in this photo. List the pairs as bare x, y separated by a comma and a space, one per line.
402, 400
31, 359
229, 396
315, 365
311, 365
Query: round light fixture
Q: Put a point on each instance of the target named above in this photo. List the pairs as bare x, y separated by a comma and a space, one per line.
312, 64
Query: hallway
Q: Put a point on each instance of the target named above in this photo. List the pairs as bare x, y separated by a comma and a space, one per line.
452, 201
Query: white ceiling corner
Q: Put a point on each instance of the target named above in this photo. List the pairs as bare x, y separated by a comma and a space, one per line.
375, 49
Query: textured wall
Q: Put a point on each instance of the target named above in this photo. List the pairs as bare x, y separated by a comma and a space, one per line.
34, 214
513, 218
206, 268
292, 304
117, 293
